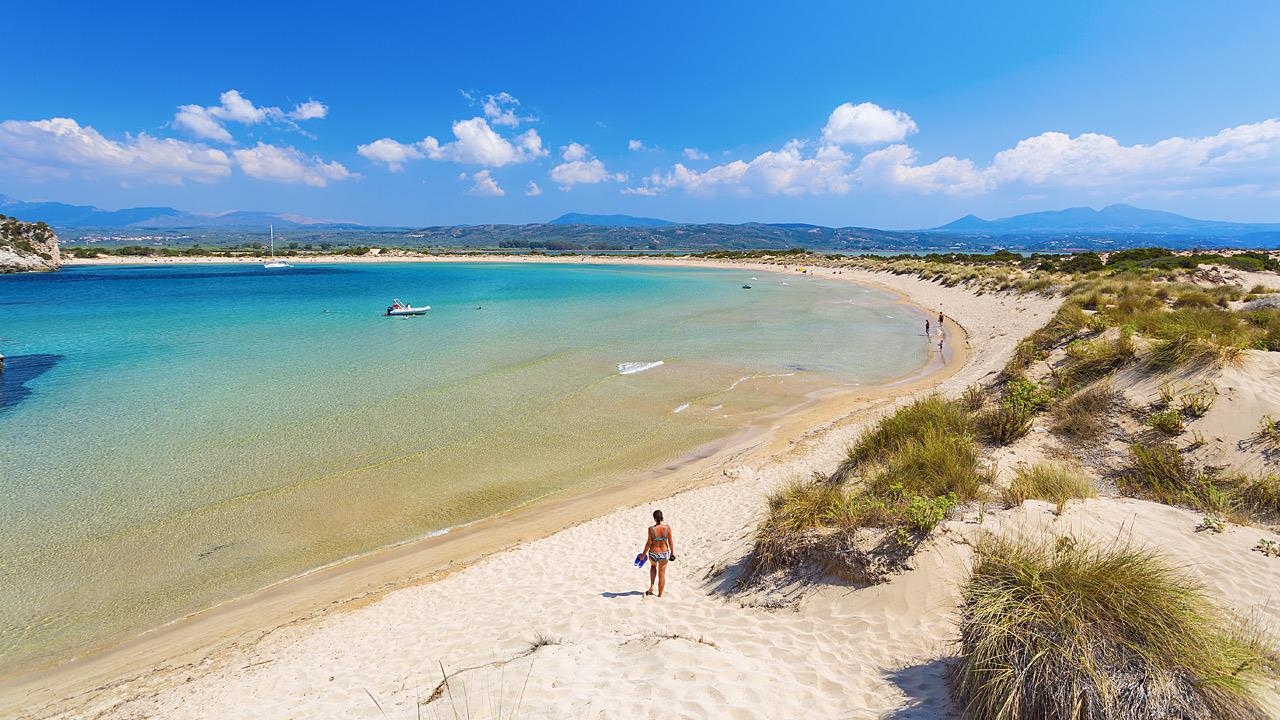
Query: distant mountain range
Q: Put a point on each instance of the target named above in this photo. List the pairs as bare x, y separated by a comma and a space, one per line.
609, 220
1111, 228
1110, 219
62, 215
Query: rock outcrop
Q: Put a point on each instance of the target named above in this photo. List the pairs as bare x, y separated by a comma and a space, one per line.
26, 247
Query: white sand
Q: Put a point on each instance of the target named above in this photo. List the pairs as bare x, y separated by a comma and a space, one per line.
838, 652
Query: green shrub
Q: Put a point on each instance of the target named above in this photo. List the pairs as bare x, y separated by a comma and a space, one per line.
1048, 481
1073, 631
1167, 421
1024, 395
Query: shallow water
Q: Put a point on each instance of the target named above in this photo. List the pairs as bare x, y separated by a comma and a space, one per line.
173, 436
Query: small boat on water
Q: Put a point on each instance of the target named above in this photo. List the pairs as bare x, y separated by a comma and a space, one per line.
273, 263
398, 308
746, 287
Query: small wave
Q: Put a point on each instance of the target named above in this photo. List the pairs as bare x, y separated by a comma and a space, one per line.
745, 378
630, 368
682, 408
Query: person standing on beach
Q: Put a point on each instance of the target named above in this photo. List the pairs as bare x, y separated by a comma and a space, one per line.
661, 548
926, 327
939, 319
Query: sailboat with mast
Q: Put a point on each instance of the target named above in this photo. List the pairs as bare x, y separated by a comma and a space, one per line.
273, 262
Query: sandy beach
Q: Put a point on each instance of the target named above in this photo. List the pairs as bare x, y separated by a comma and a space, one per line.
542, 608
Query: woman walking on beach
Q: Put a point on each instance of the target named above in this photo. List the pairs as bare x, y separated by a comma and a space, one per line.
661, 548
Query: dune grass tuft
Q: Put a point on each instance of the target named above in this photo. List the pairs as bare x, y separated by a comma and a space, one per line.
933, 464
929, 414
1159, 472
1054, 482
1088, 360
1075, 631
1081, 416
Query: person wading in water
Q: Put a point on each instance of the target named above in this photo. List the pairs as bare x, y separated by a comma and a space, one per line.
661, 548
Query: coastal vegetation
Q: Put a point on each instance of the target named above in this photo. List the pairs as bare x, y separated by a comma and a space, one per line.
1067, 629
1055, 482
27, 246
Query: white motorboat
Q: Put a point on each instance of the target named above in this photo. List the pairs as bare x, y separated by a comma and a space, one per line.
273, 262
398, 308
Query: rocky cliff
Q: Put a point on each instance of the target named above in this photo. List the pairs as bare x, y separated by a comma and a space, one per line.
27, 246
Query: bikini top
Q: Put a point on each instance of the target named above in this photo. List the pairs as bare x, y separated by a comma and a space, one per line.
653, 535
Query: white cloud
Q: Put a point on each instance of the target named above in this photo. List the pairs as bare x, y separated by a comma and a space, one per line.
786, 171
476, 143
867, 124
390, 153
288, 165
574, 152
534, 189
197, 120
635, 145
580, 168
61, 147
896, 165
209, 123
309, 110
1240, 160
482, 183
695, 154
1090, 159
501, 108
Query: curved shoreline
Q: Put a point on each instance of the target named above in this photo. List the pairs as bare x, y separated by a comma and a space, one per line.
362, 579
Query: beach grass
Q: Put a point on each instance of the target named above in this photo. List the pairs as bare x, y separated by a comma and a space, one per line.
1055, 482
1081, 416
1072, 630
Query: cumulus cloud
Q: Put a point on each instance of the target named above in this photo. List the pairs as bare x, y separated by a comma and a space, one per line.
867, 124
1089, 159
209, 122
501, 109
483, 183
309, 110
695, 154
534, 189
475, 143
786, 171
61, 147
581, 168
288, 165
1245, 159
636, 146
897, 165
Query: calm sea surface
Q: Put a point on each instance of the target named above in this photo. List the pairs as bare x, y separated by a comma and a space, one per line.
173, 436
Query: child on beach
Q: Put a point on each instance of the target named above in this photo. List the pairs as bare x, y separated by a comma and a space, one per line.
661, 548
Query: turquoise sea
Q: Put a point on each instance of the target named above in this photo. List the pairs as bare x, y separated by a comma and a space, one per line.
175, 435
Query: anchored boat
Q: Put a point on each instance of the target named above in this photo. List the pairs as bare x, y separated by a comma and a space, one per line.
398, 308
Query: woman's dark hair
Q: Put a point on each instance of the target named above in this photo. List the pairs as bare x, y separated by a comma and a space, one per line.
657, 516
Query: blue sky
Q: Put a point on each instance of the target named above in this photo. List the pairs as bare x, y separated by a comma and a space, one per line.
829, 113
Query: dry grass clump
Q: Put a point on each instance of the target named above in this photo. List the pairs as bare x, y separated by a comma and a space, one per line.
1076, 631
1002, 425
1254, 496
1159, 472
1054, 482
1081, 416
1088, 360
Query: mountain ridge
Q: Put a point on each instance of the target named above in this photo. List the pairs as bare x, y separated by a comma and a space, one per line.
1114, 218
